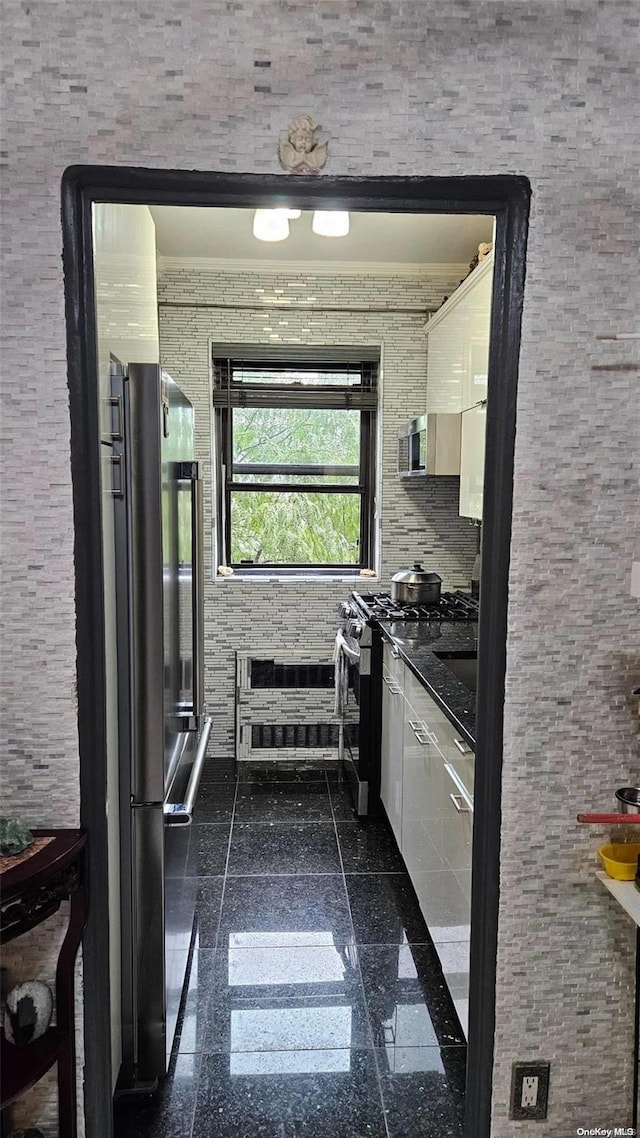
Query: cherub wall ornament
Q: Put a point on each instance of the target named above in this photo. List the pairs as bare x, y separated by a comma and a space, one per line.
302, 153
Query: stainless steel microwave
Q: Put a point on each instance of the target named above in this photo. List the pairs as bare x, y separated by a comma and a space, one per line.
412, 448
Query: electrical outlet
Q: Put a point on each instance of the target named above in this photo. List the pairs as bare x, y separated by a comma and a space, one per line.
529, 1090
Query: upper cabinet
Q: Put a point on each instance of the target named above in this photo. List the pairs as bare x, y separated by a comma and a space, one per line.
458, 344
457, 366
474, 422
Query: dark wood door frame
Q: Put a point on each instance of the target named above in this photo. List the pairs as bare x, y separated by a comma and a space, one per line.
507, 198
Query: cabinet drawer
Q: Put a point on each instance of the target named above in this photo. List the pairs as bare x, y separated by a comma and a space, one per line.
457, 831
444, 735
393, 664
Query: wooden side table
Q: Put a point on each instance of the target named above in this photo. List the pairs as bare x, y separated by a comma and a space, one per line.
32, 887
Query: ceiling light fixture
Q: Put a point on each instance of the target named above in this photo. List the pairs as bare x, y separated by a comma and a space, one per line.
271, 224
330, 222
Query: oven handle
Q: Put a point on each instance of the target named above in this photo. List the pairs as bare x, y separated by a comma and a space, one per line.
348, 651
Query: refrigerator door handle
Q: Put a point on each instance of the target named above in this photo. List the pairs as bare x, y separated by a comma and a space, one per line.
197, 593
192, 715
181, 813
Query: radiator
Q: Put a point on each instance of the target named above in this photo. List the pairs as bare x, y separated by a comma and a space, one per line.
285, 708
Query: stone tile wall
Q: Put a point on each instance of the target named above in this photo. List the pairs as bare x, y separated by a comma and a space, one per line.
531, 87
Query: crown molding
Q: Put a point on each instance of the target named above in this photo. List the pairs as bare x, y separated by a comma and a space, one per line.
312, 268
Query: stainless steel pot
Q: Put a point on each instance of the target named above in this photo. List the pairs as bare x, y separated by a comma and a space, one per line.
415, 586
628, 800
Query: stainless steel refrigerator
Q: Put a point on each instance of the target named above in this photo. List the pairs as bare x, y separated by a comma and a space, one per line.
163, 730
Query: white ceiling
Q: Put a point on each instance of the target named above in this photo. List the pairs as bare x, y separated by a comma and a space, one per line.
226, 234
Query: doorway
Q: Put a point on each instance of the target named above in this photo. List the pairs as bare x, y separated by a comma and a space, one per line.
506, 198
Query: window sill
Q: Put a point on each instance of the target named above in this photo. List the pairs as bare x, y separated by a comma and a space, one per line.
294, 578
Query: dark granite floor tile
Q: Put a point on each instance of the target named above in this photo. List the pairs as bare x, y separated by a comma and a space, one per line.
214, 802
219, 770
208, 905
308, 1094
281, 774
407, 997
168, 1112
423, 1091
341, 800
283, 802
282, 999
306, 1023
208, 850
368, 847
192, 1021
283, 911
286, 847
385, 909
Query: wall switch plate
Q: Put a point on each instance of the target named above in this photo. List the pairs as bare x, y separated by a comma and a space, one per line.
529, 1090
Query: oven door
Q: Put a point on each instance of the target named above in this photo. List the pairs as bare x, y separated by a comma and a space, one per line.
355, 669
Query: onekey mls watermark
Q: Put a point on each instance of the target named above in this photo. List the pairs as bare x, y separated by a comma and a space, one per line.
606, 1131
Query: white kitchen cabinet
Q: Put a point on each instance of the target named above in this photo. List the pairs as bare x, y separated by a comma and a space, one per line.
391, 758
458, 344
445, 364
457, 368
472, 446
436, 826
427, 792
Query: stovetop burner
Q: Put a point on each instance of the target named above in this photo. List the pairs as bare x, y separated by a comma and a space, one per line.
450, 606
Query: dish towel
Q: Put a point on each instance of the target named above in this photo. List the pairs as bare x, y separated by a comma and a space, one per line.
341, 677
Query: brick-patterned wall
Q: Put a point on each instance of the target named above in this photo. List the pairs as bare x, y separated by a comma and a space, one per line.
418, 520
416, 87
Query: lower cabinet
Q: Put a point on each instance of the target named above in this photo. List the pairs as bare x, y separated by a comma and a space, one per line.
427, 787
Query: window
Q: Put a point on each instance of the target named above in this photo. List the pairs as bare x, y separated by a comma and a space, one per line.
295, 441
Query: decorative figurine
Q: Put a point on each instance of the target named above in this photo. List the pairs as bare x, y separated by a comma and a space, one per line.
28, 1012
302, 153
14, 837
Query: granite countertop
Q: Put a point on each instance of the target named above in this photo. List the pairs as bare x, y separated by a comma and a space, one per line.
417, 641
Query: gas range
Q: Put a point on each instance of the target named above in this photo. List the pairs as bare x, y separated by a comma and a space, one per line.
359, 641
379, 606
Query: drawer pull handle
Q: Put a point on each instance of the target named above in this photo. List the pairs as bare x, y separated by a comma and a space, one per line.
463, 747
419, 730
459, 785
457, 799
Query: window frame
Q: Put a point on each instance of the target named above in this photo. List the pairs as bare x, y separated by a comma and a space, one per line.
229, 394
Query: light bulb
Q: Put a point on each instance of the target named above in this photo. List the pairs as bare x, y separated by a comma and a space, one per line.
271, 224
330, 222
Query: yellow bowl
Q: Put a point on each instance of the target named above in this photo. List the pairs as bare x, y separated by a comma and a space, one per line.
620, 860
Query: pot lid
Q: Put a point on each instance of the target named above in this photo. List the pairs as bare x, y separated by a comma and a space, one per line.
416, 576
